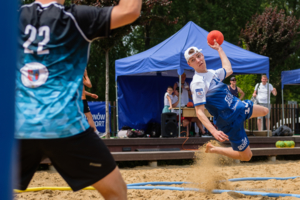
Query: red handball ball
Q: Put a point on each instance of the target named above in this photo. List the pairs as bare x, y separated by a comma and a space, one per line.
217, 35
190, 105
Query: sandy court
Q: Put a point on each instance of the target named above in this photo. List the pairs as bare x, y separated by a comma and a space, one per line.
208, 168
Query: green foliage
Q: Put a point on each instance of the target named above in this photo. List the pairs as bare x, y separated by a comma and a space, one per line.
247, 84
273, 34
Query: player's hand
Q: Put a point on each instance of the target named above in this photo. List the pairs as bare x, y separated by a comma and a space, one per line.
220, 136
254, 95
94, 96
170, 108
216, 45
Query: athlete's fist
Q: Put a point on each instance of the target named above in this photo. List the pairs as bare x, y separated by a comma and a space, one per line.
94, 96
220, 136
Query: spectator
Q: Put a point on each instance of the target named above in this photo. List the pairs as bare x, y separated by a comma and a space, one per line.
234, 90
86, 108
186, 121
261, 94
186, 92
168, 98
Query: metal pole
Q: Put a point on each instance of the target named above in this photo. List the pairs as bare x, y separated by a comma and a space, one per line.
117, 108
179, 128
283, 121
268, 103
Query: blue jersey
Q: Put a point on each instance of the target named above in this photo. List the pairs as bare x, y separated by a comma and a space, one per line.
53, 50
208, 88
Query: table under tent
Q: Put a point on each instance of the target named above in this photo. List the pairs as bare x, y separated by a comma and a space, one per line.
142, 79
291, 77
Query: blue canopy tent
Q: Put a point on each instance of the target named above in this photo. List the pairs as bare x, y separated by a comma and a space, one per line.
142, 79
291, 77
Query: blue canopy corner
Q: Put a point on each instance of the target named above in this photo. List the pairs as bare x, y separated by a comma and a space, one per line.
291, 77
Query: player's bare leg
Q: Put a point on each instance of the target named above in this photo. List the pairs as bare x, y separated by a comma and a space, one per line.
245, 155
112, 187
259, 111
90, 120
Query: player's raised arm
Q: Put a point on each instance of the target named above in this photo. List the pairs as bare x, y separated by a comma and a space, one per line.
126, 12
224, 59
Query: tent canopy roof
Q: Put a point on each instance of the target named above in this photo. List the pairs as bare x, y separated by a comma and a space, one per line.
169, 55
291, 77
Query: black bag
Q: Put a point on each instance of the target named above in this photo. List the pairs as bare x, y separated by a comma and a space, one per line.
283, 131
153, 129
135, 133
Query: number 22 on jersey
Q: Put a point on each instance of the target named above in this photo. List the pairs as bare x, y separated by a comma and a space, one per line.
42, 31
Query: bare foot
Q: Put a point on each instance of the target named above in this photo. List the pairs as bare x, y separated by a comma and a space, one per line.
209, 148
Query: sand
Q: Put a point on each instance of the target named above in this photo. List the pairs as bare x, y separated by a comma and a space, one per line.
206, 172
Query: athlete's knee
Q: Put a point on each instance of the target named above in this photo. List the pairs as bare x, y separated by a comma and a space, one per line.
246, 156
121, 192
265, 111
118, 191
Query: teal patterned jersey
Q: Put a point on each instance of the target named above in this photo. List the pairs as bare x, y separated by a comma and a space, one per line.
53, 50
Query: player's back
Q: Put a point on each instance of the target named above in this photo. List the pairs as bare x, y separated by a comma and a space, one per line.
53, 47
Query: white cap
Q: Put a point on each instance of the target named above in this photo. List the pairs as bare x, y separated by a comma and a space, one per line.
188, 56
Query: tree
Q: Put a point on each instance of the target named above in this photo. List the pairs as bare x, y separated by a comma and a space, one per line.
105, 45
275, 35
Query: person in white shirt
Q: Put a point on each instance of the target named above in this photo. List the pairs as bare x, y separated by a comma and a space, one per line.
261, 94
229, 112
186, 92
168, 98
185, 120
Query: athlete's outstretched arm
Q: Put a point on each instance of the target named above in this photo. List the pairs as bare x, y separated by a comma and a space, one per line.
86, 80
91, 94
219, 135
224, 59
126, 12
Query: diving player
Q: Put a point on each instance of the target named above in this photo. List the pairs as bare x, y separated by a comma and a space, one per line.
229, 112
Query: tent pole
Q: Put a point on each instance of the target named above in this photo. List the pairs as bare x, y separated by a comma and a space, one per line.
117, 106
283, 121
268, 103
179, 107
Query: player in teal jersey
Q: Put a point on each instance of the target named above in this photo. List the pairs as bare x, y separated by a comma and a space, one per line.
53, 51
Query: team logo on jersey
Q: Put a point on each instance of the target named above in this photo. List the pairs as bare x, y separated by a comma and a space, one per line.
199, 92
34, 74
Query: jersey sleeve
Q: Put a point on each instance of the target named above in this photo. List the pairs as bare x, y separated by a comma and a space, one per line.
271, 87
198, 93
256, 86
93, 21
221, 73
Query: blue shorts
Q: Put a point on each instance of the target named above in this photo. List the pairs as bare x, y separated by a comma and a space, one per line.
235, 130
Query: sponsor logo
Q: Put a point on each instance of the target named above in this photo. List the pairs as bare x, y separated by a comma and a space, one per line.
229, 97
96, 164
34, 74
199, 92
243, 145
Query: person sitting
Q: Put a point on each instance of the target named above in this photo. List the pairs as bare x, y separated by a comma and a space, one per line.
186, 121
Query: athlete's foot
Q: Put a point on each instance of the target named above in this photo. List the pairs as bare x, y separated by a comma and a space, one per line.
209, 148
